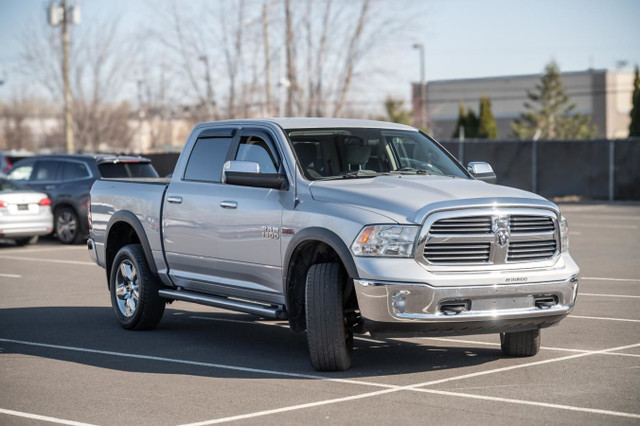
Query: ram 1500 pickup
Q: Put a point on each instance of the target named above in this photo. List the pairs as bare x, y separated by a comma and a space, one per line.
341, 227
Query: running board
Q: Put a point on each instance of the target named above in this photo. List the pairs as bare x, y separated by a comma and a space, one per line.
221, 302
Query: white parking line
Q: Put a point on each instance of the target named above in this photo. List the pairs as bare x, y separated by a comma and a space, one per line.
603, 318
623, 296
409, 388
533, 403
10, 276
43, 418
33, 259
199, 364
633, 280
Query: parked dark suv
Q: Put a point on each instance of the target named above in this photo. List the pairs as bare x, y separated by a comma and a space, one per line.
67, 179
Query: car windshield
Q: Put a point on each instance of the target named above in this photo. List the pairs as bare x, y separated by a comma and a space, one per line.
362, 152
7, 186
127, 169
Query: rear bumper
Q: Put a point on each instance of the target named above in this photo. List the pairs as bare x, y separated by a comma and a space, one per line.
421, 309
28, 229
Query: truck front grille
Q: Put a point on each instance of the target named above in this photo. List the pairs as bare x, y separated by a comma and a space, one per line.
453, 252
496, 238
523, 251
462, 225
521, 223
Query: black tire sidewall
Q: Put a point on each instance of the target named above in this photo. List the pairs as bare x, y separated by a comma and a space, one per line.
144, 277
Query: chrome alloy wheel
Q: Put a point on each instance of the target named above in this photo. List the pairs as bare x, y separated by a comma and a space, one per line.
66, 226
127, 286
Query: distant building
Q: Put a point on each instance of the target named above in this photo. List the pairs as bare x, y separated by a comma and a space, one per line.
604, 95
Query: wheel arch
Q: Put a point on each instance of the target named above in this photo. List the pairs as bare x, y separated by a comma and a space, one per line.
310, 246
124, 228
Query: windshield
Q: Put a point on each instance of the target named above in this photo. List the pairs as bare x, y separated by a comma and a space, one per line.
361, 152
123, 170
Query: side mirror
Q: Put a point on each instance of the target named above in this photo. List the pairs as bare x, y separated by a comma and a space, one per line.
247, 173
482, 171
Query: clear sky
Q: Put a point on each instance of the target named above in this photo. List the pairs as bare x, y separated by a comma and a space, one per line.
463, 38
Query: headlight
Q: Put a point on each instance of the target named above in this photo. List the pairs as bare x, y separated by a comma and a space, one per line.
564, 235
385, 240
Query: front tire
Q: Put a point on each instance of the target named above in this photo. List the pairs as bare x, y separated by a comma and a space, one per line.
521, 343
67, 226
329, 337
134, 291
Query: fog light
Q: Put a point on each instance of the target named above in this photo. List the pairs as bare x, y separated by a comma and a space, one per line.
399, 301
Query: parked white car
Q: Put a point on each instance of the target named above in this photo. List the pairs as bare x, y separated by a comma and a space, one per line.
24, 214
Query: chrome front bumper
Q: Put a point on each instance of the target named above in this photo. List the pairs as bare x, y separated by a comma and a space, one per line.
421, 308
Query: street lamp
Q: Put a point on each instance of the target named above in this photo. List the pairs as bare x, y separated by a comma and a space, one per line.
207, 77
423, 86
61, 15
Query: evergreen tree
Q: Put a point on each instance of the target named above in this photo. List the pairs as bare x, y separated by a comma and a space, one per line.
634, 127
471, 124
550, 113
462, 122
487, 127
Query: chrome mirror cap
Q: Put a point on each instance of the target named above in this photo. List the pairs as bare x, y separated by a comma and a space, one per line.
482, 171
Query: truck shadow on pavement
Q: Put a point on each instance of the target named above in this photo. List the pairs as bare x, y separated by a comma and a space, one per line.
225, 339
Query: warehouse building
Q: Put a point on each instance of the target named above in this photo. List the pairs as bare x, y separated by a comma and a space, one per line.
602, 94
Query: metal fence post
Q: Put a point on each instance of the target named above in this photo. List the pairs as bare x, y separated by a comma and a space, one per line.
612, 151
534, 166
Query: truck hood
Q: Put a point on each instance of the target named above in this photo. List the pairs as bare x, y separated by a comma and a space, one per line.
405, 198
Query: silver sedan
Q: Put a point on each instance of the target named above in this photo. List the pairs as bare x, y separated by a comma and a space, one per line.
24, 214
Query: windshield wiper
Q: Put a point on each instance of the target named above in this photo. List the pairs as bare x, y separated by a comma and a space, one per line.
356, 174
411, 170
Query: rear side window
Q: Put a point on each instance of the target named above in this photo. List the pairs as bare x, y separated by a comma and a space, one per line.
206, 159
46, 171
127, 170
74, 171
21, 172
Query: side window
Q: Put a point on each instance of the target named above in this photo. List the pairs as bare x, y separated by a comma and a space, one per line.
46, 171
254, 148
206, 159
21, 172
74, 171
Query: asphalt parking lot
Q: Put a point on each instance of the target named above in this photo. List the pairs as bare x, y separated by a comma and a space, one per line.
63, 358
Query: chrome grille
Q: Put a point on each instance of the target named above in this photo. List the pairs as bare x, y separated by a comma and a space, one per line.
490, 237
454, 252
521, 223
462, 225
523, 251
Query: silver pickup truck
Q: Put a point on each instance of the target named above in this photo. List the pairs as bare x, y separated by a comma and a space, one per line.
341, 227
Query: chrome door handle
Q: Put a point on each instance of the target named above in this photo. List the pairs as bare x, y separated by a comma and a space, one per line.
228, 204
174, 199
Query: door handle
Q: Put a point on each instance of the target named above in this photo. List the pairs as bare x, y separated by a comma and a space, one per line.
228, 204
49, 187
174, 199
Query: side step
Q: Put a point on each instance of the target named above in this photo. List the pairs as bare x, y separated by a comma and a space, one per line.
221, 302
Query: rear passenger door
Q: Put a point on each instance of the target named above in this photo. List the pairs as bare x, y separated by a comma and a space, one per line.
191, 213
46, 178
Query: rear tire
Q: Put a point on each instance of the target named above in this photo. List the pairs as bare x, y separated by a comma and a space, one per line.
329, 338
25, 241
521, 343
67, 226
134, 290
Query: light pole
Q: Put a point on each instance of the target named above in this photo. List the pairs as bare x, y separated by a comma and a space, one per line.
61, 15
423, 86
207, 77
